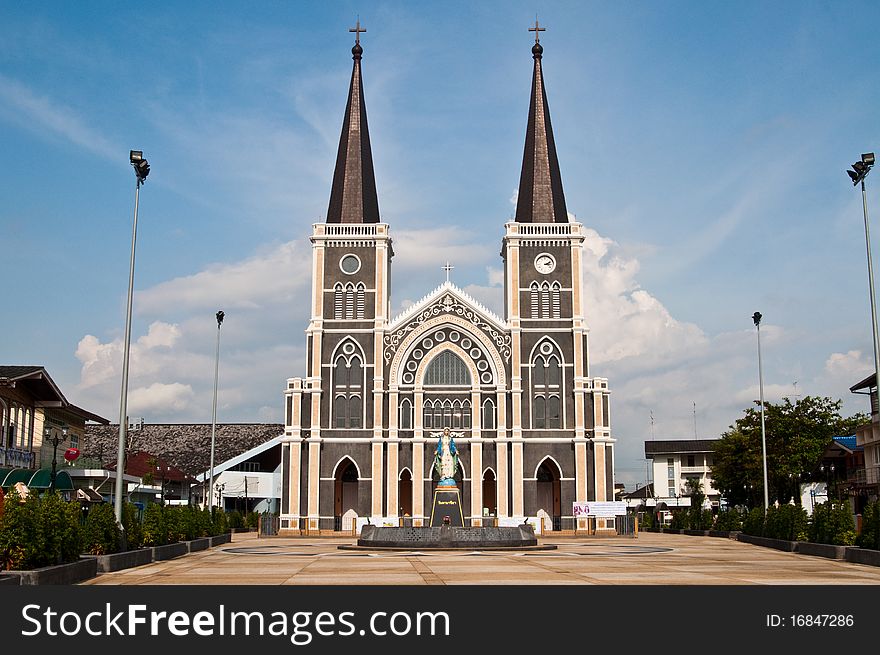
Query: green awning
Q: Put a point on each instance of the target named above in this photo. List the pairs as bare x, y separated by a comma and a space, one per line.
17, 475
39, 479
42, 479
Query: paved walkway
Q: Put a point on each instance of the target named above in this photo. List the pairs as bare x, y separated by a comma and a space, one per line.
651, 559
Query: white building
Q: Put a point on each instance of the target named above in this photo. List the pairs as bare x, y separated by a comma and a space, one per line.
675, 461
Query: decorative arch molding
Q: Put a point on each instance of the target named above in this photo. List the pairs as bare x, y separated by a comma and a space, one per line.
556, 347
489, 469
493, 355
338, 350
350, 459
408, 470
541, 463
435, 352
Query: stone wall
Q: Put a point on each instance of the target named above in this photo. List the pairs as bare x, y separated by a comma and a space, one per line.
186, 446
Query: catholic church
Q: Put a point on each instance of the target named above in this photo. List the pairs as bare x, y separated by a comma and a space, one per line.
361, 425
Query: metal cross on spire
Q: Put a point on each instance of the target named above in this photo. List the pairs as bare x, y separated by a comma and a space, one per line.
537, 30
357, 31
447, 268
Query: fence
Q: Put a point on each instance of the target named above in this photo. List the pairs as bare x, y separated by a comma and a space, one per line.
268, 525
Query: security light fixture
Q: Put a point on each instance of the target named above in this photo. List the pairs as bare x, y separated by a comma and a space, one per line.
141, 165
861, 168
756, 317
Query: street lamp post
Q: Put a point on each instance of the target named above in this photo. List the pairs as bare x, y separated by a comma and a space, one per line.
756, 317
141, 170
859, 170
55, 441
220, 316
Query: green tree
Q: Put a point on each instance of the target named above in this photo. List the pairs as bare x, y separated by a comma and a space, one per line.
797, 435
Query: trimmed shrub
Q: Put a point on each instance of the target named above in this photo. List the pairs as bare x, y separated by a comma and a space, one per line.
235, 519
679, 520
788, 522
38, 532
833, 524
870, 535
131, 522
219, 523
753, 523
729, 520
155, 530
204, 522
252, 519
101, 535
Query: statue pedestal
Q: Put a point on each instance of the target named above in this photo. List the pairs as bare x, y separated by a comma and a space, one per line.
447, 502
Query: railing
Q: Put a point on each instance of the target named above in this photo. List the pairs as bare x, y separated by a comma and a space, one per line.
562, 229
17, 457
268, 525
350, 230
859, 476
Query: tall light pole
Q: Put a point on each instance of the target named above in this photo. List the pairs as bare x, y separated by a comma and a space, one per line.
756, 317
859, 170
141, 170
220, 315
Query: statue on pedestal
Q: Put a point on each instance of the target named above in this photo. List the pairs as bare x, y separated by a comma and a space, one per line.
446, 459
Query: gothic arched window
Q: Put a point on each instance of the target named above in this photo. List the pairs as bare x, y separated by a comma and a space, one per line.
405, 420
447, 369
546, 388
348, 384
488, 415
338, 302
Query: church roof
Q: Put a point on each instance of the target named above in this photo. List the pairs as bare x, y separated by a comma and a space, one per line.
353, 194
450, 288
540, 199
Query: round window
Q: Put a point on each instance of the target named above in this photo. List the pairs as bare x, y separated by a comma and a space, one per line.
350, 264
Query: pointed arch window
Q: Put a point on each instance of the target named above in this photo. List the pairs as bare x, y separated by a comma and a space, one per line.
359, 301
348, 385
488, 415
338, 302
446, 413
547, 387
405, 420
545, 300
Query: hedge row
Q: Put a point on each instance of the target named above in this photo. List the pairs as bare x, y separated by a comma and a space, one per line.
43, 531
831, 523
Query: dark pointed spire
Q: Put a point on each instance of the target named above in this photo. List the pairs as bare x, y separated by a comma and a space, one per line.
540, 198
353, 194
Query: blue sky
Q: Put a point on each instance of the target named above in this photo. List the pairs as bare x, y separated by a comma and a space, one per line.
704, 144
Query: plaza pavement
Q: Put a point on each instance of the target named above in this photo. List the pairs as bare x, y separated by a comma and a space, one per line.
661, 559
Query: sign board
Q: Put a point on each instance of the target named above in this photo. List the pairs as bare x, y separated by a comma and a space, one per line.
601, 509
514, 521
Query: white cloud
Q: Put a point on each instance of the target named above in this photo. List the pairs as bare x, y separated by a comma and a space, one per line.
848, 366
160, 398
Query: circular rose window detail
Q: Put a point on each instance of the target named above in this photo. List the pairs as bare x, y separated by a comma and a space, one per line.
350, 264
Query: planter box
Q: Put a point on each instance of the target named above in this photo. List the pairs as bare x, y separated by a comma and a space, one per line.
220, 539
198, 544
169, 551
10, 580
670, 531
124, 560
766, 542
863, 556
72, 573
696, 533
723, 534
243, 529
821, 550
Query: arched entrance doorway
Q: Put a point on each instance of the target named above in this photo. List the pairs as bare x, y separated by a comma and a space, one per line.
345, 490
549, 494
404, 493
489, 493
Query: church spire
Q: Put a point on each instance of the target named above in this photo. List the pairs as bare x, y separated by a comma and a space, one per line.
353, 194
540, 198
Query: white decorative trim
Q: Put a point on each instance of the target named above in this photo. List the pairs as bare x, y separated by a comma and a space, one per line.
558, 467
351, 459
418, 330
436, 293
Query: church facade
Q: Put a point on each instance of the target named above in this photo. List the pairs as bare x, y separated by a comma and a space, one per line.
362, 424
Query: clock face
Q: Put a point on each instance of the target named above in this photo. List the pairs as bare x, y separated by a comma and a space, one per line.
544, 263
